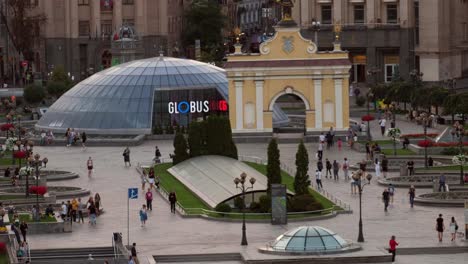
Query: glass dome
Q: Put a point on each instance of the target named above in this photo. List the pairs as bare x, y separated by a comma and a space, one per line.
120, 100
309, 239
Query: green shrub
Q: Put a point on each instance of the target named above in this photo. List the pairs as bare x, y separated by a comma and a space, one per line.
239, 203
273, 164
57, 88
360, 100
254, 207
450, 151
34, 94
223, 208
304, 202
169, 130
265, 203
180, 149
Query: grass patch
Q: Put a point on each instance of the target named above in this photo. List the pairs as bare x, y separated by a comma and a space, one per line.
4, 259
399, 151
184, 196
12, 197
288, 180
380, 142
28, 218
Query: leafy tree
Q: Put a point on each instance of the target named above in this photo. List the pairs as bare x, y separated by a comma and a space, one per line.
34, 94
56, 88
180, 149
273, 165
456, 104
195, 139
205, 21
437, 95
219, 137
23, 26
301, 179
59, 75
59, 82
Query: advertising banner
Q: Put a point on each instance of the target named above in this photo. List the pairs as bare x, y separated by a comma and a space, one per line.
279, 212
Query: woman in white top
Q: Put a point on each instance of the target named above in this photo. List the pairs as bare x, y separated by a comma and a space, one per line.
453, 228
89, 163
377, 167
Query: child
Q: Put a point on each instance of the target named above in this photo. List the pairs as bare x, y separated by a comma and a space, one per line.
340, 143
143, 215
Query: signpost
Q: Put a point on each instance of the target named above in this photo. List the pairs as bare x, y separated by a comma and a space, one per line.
279, 213
132, 194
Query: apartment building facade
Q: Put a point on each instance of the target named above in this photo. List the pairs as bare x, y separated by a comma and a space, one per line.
386, 37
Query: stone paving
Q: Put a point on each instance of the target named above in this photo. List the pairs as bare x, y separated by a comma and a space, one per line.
166, 233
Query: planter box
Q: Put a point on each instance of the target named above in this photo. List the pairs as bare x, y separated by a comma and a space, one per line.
45, 228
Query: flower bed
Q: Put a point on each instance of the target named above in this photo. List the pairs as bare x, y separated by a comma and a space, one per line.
420, 135
430, 143
367, 118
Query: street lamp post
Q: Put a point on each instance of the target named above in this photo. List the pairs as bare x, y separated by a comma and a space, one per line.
460, 132
243, 188
357, 177
316, 29
37, 162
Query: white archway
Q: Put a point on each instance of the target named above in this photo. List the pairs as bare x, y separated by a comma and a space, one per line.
289, 90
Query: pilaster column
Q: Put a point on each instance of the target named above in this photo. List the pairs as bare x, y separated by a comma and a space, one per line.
338, 103
259, 103
337, 11
95, 22
239, 105
118, 14
370, 13
318, 102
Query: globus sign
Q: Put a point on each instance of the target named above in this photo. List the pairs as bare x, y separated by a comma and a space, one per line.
184, 107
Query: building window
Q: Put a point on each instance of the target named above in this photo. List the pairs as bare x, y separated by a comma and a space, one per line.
416, 22
107, 5
358, 14
392, 14
106, 27
83, 28
390, 71
326, 14
83, 2
128, 22
127, 2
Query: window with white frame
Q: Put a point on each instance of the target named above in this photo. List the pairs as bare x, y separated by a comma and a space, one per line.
358, 14
392, 13
390, 71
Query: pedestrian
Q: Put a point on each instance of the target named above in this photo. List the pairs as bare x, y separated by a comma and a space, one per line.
15, 231
340, 144
157, 155
97, 203
134, 254
412, 194
363, 165
377, 167
391, 191
332, 136
319, 165
329, 140
173, 200
90, 166
7, 172
442, 183
406, 143
328, 167
74, 211
81, 207
64, 211
392, 247
318, 179
143, 215
84, 137
346, 168
43, 137
336, 169
453, 228
131, 260
92, 212
320, 150
24, 229
69, 209
126, 155
430, 162
410, 166
382, 123
149, 199
384, 166
143, 179
67, 137
386, 198
151, 177
440, 227
321, 138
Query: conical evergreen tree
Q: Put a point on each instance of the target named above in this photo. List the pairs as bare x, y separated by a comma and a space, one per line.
180, 149
195, 139
273, 165
301, 180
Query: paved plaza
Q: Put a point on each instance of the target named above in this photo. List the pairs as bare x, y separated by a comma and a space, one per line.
166, 233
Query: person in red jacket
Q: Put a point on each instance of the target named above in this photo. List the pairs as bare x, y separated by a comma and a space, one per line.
393, 244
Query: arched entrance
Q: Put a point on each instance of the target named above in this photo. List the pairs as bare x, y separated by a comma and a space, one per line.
293, 106
106, 59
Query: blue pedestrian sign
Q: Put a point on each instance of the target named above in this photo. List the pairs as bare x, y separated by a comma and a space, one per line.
132, 193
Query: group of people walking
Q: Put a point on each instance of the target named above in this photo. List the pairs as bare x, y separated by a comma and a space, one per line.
73, 210
72, 137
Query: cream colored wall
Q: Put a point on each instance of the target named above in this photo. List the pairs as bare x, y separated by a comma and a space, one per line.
232, 103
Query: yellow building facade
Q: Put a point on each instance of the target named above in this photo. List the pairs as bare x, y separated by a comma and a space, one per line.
288, 64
